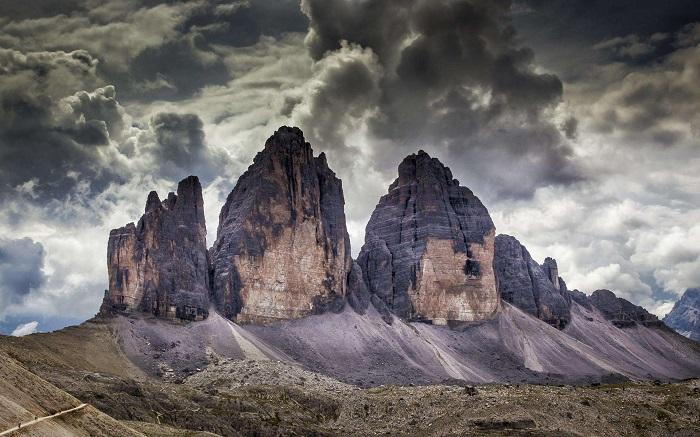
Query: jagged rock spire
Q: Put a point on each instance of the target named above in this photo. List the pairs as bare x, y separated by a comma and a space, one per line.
529, 286
282, 249
160, 265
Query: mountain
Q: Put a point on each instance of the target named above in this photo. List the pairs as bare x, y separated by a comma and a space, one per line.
619, 311
684, 318
429, 245
161, 265
276, 330
282, 249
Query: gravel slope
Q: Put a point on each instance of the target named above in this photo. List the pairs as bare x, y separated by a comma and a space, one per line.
363, 350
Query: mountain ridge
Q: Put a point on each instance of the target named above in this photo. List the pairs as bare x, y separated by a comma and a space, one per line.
281, 266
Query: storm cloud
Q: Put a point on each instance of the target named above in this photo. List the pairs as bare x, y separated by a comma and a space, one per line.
52, 133
449, 76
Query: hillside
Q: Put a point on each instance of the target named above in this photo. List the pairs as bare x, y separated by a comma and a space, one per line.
24, 396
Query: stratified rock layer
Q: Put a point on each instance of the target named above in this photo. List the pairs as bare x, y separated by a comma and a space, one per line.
535, 289
160, 265
282, 249
684, 318
428, 249
621, 312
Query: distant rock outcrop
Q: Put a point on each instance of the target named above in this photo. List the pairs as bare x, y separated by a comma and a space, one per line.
428, 252
535, 289
282, 249
621, 312
160, 265
684, 318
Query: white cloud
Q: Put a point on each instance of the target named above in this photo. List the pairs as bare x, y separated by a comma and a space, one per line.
25, 329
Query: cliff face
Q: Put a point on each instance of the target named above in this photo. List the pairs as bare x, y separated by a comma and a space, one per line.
535, 289
282, 249
160, 265
684, 318
428, 251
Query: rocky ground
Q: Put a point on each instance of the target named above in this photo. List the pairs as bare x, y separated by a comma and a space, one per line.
269, 395
247, 397
292, 395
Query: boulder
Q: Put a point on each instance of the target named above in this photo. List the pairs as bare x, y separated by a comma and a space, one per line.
428, 251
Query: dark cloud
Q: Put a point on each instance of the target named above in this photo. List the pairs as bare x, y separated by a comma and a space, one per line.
166, 50
174, 70
21, 269
347, 85
49, 141
180, 137
180, 149
570, 127
630, 28
451, 75
18, 10
242, 23
655, 105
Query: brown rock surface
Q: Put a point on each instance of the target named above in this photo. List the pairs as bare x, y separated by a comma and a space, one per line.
429, 247
282, 248
160, 265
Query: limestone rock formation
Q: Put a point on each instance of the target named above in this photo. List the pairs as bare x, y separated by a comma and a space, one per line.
684, 318
160, 265
428, 249
282, 249
621, 312
535, 289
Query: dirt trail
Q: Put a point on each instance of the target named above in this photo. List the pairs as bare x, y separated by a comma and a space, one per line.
41, 419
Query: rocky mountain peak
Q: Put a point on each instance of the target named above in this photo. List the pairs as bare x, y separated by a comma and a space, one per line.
422, 168
160, 265
552, 271
152, 202
621, 312
286, 142
282, 248
428, 249
684, 318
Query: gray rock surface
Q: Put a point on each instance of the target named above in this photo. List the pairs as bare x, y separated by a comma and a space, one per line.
160, 265
684, 318
529, 286
428, 249
535, 289
621, 312
282, 249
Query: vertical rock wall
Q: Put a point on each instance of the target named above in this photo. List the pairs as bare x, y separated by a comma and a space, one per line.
282, 249
535, 289
428, 249
160, 265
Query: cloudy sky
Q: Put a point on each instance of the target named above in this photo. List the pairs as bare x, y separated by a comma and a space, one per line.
576, 122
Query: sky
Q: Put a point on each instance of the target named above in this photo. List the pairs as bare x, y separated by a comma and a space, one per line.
577, 123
